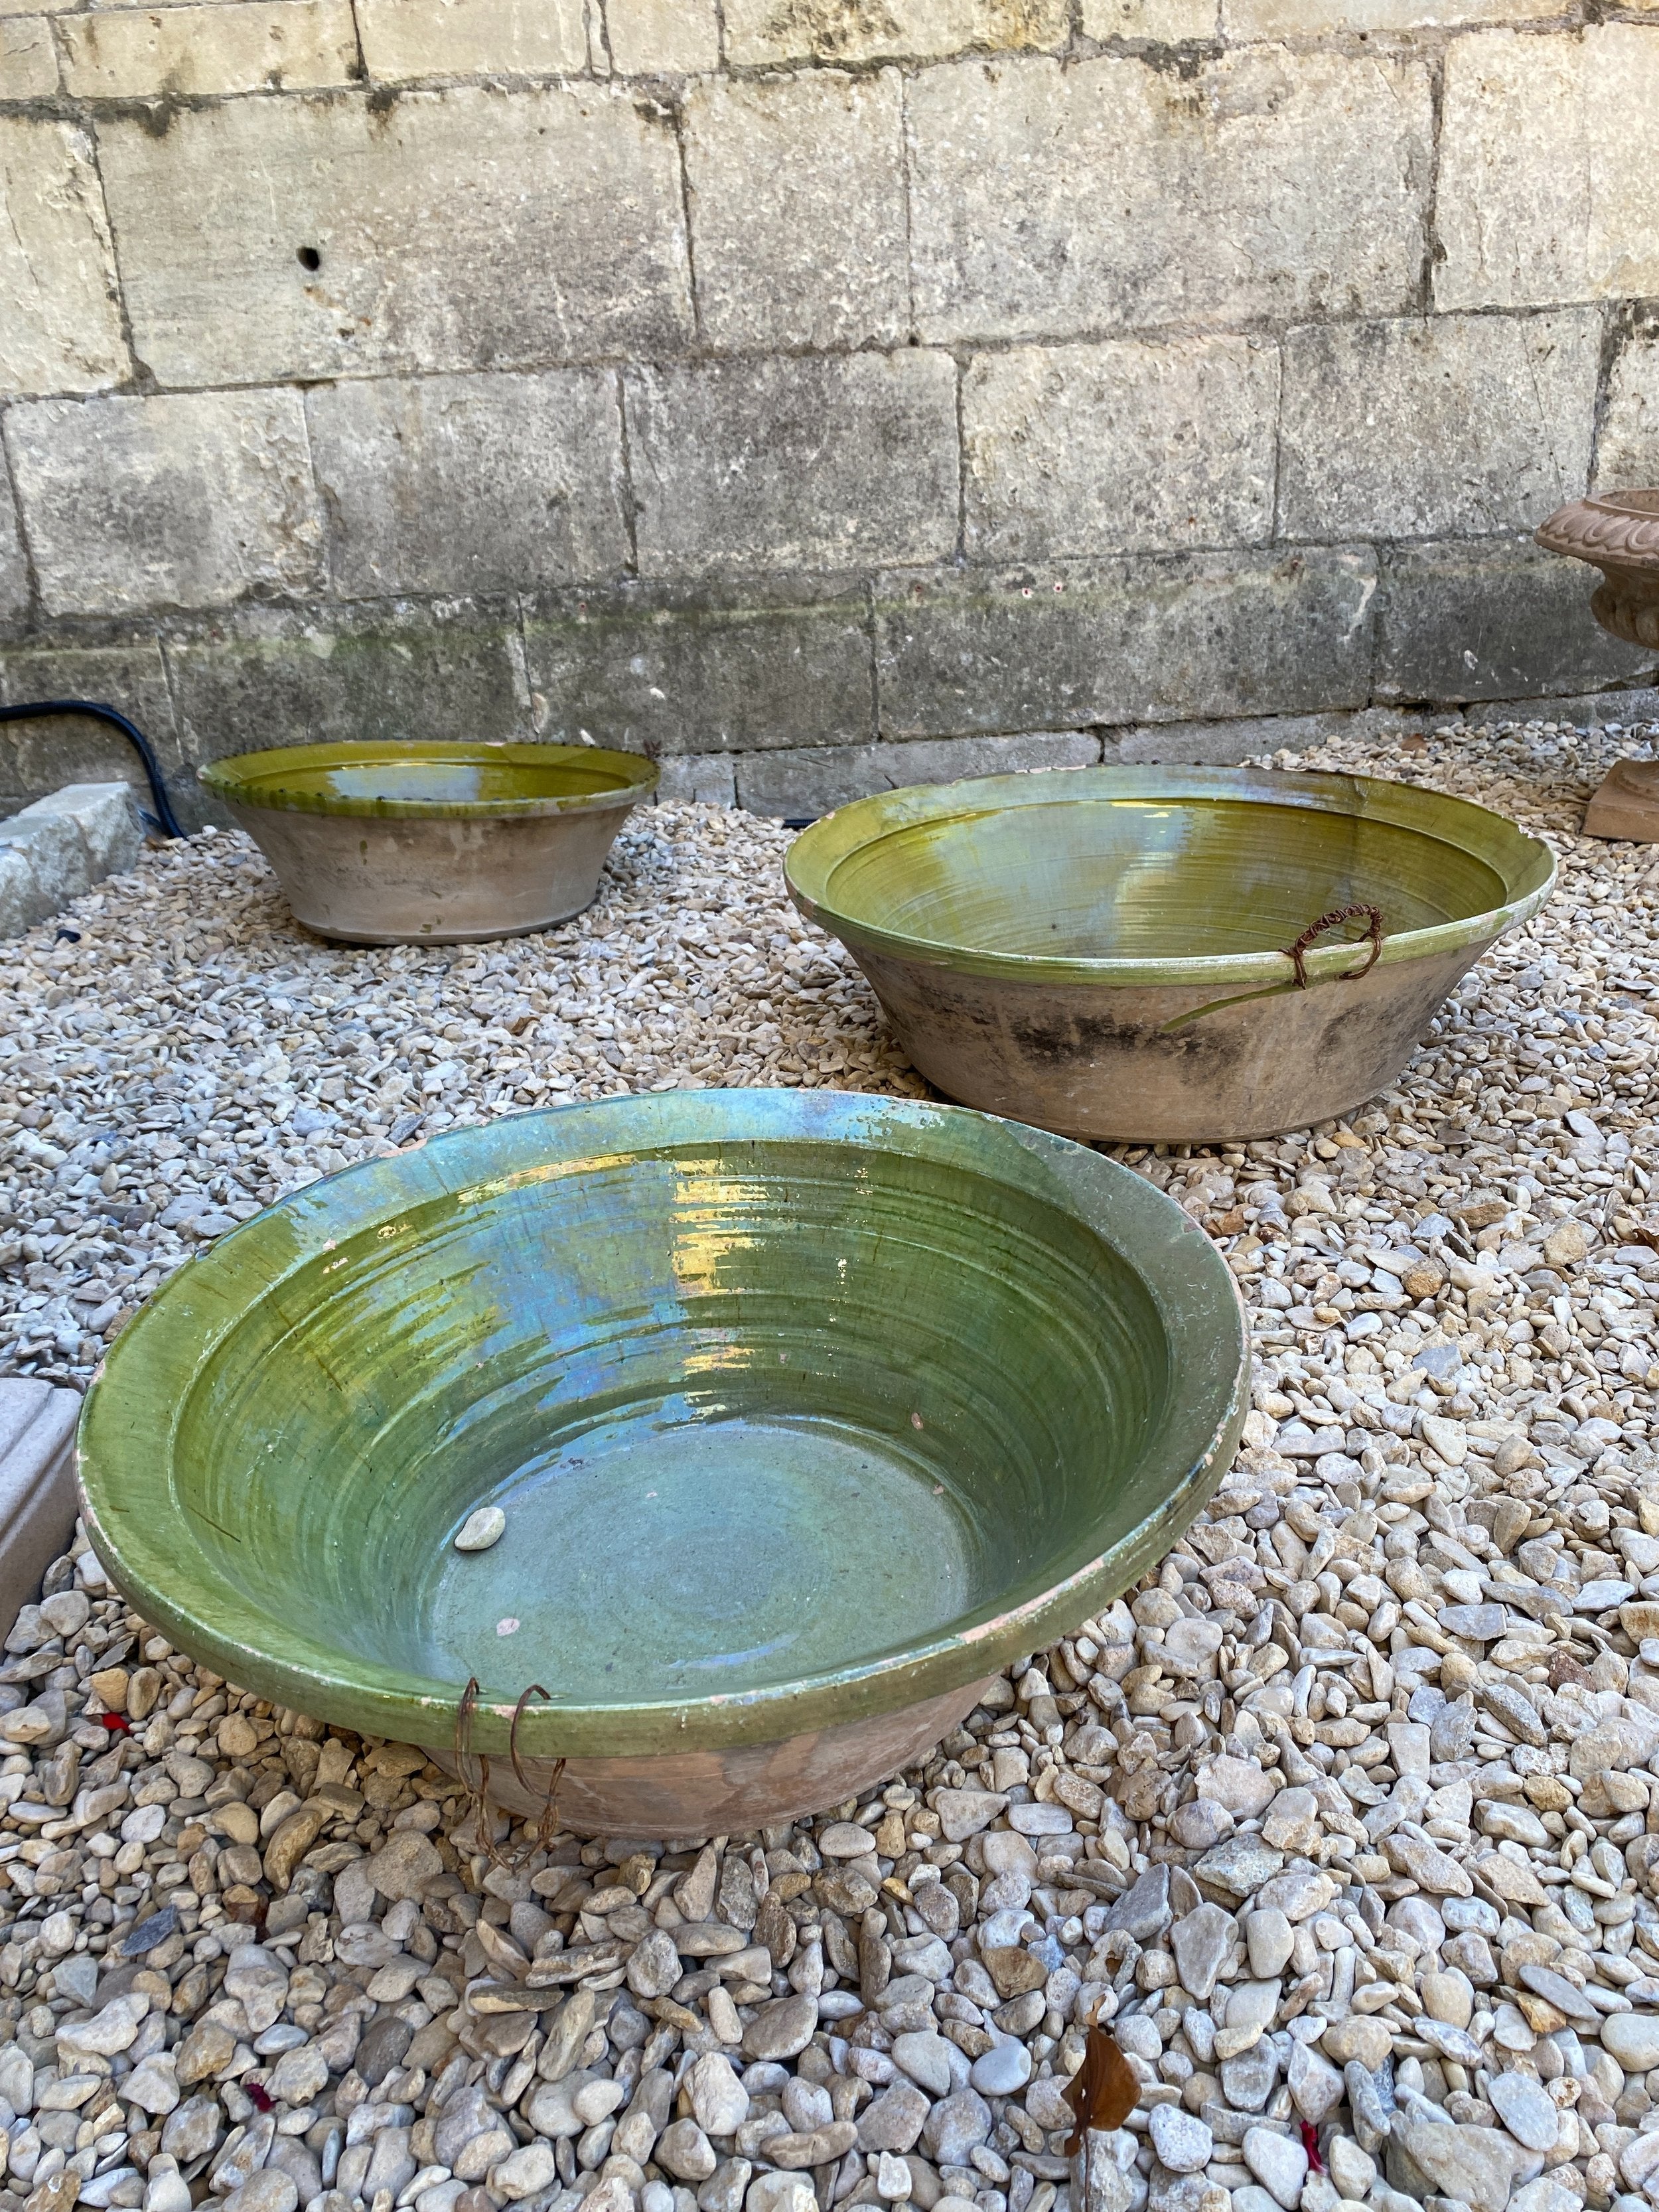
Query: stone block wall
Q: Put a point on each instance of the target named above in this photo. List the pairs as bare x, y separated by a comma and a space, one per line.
815, 393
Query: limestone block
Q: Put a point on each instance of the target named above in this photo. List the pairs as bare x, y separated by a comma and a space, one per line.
448, 231
14, 567
808, 782
23, 902
29, 60
1589, 710
102, 816
278, 675
1545, 193
57, 854
798, 785
674, 38
405, 40
666, 669
1268, 183
872, 30
1126, 447
806, 464
798, 209
803, 783
1242, 20
1440, 427
1169, 22
1224, 745
140, 53
941, 760
1495, 619
1165, 637
61, 330
37, 756
186, 499
710, 778
1627, 451
471, 483
37, 1485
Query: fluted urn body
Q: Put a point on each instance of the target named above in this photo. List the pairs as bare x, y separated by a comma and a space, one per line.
1618, 533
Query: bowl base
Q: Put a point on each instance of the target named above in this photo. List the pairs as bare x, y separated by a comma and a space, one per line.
659, 1557
1627, 804
332, 934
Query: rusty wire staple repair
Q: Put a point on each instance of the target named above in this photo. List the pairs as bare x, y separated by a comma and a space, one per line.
1373, 918
547, 1825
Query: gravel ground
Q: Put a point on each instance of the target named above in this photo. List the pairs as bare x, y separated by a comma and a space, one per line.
1346, 1820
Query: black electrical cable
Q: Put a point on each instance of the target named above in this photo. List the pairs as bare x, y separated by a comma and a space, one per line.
158, 791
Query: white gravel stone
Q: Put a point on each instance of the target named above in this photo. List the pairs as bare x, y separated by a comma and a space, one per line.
1270, 1938
1002, 2071
1415, 1640
1526, 2109
1182, 2139
925, 2057
1633, 2039
1279, 2164
719, 2100
1351, 2170
529, 2168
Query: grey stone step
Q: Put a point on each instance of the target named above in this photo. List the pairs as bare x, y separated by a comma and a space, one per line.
54, 850
37, 1486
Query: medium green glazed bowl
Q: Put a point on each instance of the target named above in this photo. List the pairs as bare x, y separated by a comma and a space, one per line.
1134, 953
807, 1412
432, 842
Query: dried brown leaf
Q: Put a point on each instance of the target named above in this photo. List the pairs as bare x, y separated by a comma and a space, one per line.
1103, 2091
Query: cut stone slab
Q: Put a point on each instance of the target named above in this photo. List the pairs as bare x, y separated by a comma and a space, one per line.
52, 851
37, 1485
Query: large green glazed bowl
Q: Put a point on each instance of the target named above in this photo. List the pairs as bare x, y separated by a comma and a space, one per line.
430, 840
807, 1412
1129, 953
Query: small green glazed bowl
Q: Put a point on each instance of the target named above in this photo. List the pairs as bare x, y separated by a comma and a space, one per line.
432, 841
807, 1411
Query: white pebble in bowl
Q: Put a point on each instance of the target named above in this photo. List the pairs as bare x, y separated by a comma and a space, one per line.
481, 1530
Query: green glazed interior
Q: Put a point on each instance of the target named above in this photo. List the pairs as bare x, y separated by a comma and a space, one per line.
1161, 875
412, 778
800, 1406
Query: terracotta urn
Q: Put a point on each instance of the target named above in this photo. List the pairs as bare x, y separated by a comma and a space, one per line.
1618, 533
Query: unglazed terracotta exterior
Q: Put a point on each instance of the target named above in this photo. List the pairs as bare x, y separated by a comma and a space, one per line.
725, 1792
1617, 532
430, 843
1626, 804
1115, 953
806, 1412
1170, 1066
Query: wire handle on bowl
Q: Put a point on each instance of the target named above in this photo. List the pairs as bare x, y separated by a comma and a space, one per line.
1373, 918
547, 1826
